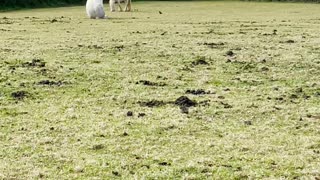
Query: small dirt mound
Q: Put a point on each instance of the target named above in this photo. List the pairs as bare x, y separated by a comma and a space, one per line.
200, 61
164, 163
230, 53
226, 105
152, 103
19, 95
119, 48
184, 101
53, 20
197, 92
50, 83
149, 83
213, 45
141, 115
34, 63
290, 41
129, 113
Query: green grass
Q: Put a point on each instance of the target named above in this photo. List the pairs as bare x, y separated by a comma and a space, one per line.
261, 119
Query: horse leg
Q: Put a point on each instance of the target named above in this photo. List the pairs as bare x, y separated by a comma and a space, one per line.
128, 6
112, 5
120, 8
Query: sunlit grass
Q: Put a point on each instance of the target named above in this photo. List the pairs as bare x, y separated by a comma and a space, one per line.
68, 84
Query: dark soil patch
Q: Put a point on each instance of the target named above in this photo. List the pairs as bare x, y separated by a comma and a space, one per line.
50, 83
129, 113
212, 45
119, 48
34, 63
293, 96
19, 95
164, 164
95, 47
230, 53
153, 103
198, 92
116, 173
184, 110
53, 20
184, 101
205, 103
6, 21
305, 96
163, 33
299, 90
125, 134
221, 97
97, 146
264, 69
290, 41
141, 114
226, 105
201, 60
149, 83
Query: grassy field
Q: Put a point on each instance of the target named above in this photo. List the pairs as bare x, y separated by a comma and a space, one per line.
173, 90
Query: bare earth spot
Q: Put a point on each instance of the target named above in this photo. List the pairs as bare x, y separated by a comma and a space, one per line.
230, 53
288, 41
97, 146
198, 92
152, 103
149, 83
34, 63
141, 114
248, 123
213, 45
19, 95
129, 113
201, 60
185, 101
226, 105
50, 83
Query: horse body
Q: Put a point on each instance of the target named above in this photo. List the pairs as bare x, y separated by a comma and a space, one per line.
95, 9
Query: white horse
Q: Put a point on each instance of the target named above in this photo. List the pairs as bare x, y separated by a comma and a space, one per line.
95, 9
112, 4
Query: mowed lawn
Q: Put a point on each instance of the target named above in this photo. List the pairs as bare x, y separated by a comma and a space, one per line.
172, 90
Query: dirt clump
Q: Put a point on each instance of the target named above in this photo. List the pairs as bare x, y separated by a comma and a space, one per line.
97, 147
201, 60
198, 92
290, 41
141, 115
50, 83
164, 164
19, 95
34, 63
129, 113
54, 20
184, 101
264, 69
119, 48
230, 53
149, 83
152, 103
226, 105
212, 45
